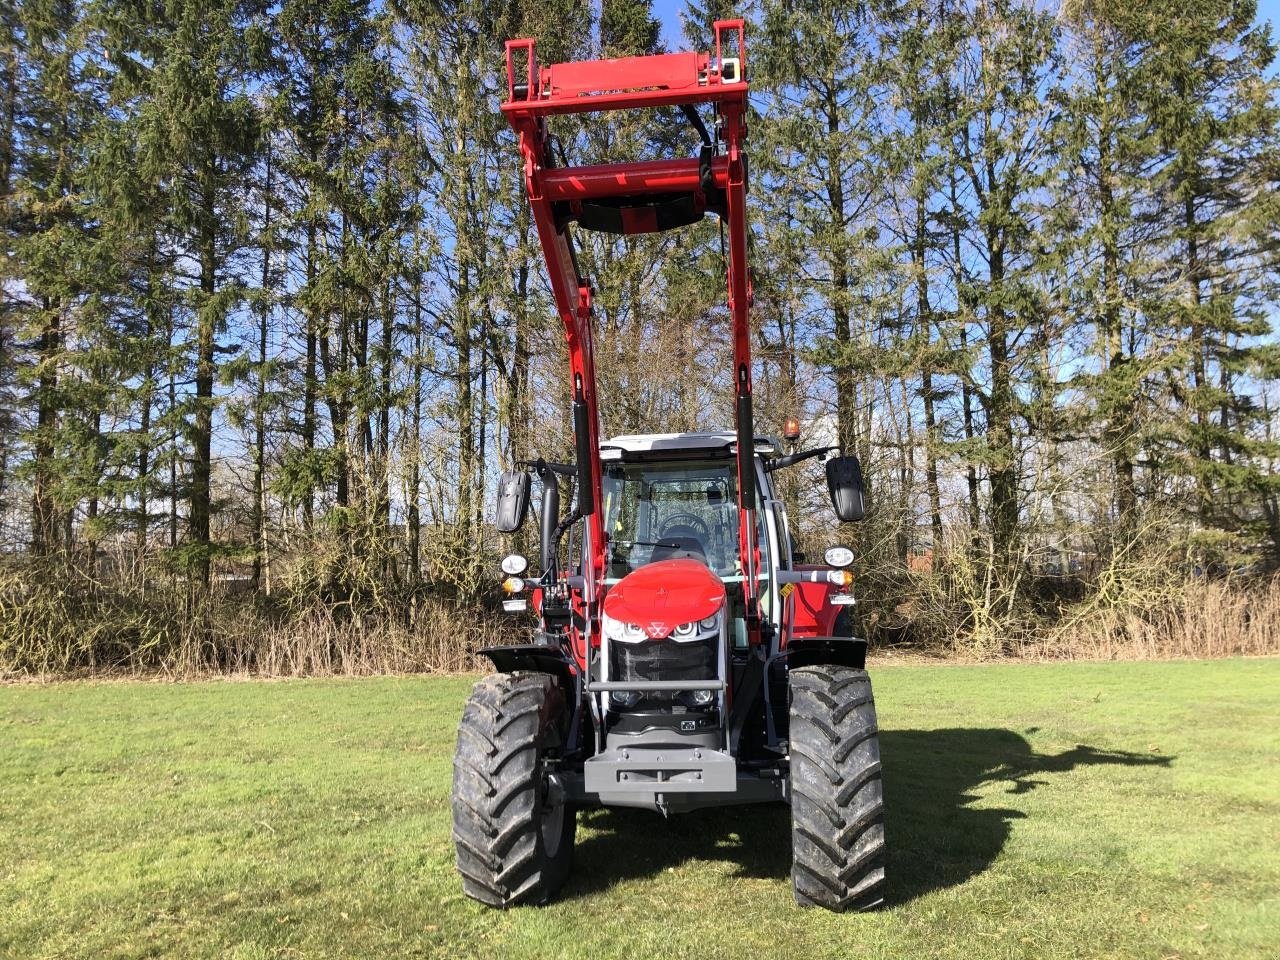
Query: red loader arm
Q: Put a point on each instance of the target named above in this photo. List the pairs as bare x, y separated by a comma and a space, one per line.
633, 198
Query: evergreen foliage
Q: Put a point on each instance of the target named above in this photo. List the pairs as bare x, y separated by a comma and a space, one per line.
273, 310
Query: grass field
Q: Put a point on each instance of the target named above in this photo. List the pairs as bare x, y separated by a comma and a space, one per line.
1059, 810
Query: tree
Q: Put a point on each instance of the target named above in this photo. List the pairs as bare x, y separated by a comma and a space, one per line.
1107, 155
1000, 143
53, 232
921, 44
194, 65
1218, 122
820, 73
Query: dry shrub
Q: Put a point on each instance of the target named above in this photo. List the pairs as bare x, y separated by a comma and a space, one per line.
964, 607
1220, 618
320, 644
1147, 600
55, 619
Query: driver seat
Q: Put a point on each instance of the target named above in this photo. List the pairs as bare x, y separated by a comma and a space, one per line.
678, 548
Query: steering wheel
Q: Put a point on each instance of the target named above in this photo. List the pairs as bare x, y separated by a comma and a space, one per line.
686, 521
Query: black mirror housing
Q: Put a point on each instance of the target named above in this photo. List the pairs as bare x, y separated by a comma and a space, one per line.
513, 500
844, 483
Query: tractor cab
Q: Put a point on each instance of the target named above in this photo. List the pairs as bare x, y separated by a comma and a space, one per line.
673, 495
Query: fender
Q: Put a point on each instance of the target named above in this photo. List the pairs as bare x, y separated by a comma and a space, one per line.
811, 651
533, 658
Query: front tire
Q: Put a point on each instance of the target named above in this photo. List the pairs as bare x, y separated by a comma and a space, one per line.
513, 837
837, 798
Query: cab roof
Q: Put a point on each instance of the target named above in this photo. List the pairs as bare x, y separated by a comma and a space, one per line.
715, 441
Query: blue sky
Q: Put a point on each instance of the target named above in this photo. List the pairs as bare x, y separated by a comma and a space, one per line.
668, 11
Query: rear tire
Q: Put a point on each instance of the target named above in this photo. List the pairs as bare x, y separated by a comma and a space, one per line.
514, 841
837, 798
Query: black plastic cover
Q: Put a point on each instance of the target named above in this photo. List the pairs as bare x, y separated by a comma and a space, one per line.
844, 483
513, 500
550, 518
582, 444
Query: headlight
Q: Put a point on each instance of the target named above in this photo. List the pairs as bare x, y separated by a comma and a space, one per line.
622, 632
513, 565
838, 557
512, 585
705, 629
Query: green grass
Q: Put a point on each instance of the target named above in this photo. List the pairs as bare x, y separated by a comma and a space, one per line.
1064, 810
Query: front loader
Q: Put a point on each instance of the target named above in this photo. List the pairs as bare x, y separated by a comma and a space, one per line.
683, 657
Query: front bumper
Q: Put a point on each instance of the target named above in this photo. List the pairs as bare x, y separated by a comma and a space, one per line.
648, 770
671, 780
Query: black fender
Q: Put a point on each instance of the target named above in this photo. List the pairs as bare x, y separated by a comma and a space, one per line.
533, 658
542, 658
811, 651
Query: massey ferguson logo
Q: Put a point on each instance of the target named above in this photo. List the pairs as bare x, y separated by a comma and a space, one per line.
656, 630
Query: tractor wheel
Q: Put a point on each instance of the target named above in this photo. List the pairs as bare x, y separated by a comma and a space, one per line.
837, 800
513, 836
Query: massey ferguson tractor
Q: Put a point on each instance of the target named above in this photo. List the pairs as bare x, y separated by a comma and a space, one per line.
682, 657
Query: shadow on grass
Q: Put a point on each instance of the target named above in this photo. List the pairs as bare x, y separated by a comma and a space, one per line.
936, 839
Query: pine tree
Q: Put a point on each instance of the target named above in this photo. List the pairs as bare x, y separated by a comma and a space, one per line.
819, 77
921, 43
1002, 121
10, 42
57, 258
1218, 121
1104, 151
194, 65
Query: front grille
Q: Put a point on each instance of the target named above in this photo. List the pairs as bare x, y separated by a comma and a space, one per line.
664, 660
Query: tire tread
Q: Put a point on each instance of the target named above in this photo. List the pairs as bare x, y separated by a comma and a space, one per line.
496, 779
837, 802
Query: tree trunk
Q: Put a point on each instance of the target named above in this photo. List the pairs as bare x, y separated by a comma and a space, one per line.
1118, 431
966, 387
466, 408
845, 382
174, 437
46, 524
924, 320
8, 148
310, 372
202, 421
1003, 459
259, 512
413, 519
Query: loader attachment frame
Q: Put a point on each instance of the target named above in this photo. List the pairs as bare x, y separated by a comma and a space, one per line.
639, 197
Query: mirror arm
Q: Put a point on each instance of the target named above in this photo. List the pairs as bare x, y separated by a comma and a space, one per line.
541, 466
794, 458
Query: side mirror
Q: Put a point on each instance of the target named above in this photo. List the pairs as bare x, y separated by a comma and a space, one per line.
844, 483
513, 500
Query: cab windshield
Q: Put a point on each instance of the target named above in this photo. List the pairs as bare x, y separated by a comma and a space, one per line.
657, 511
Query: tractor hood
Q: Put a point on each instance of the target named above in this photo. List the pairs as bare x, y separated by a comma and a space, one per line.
660, 596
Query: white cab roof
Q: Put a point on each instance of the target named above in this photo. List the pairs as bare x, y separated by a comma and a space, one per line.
661, 442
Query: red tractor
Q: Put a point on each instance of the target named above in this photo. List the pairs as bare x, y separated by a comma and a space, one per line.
682, 658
